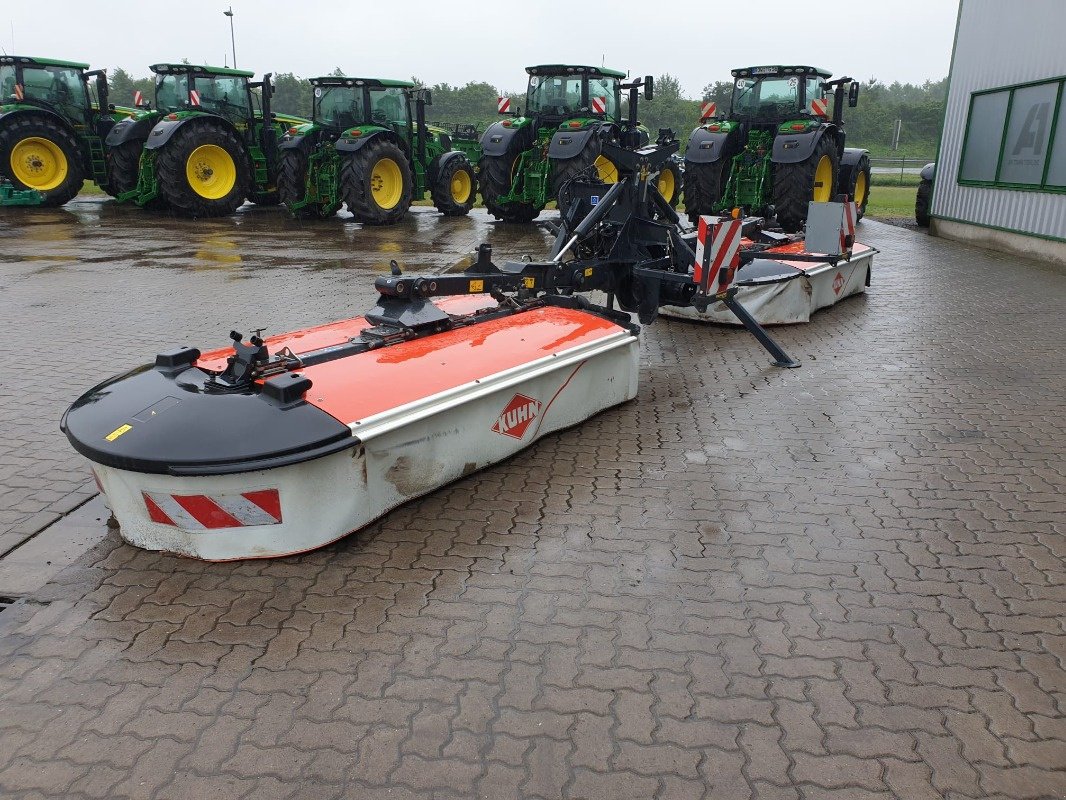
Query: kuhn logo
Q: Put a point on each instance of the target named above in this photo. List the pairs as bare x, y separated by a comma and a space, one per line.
838, 283
517, 417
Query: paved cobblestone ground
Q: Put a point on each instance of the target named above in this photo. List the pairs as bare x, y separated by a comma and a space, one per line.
844, 581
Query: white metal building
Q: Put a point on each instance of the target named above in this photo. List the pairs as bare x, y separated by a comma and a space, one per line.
1001, 167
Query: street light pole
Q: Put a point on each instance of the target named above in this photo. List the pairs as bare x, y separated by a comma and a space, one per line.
232, 39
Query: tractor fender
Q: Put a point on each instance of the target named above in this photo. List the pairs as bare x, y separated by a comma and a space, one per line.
792, 148
300, 141
349, 144
569, 144
128, 130
706, 147
496, 140
848, 163
51, 116
928, 172
435, 165
166, 128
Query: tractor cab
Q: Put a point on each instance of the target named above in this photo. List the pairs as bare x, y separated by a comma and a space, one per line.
343, 103
772, 95
58, 86
213, 90
558, 93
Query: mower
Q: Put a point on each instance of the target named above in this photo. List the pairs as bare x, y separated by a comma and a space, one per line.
278, 445
52, 130
571, 112
204, 148
362, 147
777, 148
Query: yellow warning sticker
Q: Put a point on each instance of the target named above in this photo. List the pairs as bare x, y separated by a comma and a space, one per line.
121, 429
477, 286
588, 272
529, 283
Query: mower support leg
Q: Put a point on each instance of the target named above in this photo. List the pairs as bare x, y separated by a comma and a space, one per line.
781, 358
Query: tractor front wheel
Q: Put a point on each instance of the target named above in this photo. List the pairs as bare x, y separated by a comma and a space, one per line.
669, 183
704, 185
814, 178
123, 166
203, 171
455, 189
292, 183
36, 153
496, 177
860, 187
376, 183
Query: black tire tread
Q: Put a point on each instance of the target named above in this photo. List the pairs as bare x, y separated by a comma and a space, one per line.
123, 167
355, 187
292, 183
704, 184
441, 191
170, 171
494, 180
21, 126
794, 184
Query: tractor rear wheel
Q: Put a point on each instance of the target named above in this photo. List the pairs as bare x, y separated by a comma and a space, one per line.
795, 185
203, 171
376, 183
292, 183
496, 176
921, 203
455, 189
669, 183
123, 166
860, 187
704, 185
38, 153
589, 162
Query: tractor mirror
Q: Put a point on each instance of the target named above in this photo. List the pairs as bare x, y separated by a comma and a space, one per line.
649, 87
853, 94
101, 90
427, 97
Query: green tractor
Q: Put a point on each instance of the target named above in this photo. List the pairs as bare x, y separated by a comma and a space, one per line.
204, 148
570, 111
51, 129
363, 148
777, 148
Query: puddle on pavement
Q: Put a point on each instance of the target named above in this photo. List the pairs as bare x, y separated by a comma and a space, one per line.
31, 565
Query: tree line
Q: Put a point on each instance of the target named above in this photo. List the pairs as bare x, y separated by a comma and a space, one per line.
870, 125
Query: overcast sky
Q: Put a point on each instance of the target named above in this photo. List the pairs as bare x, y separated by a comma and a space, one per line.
698, 42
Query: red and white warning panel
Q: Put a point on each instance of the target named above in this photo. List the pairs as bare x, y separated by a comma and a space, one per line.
820, 107
716, 263
708, 109
195, 512
138, 98
503, 105
599, 105
194, 97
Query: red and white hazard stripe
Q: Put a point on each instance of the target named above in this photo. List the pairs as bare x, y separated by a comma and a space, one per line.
599, 105
194, 512
19, 93
820, 107
138, 98
708, 109
194, 97
503, 105
716, 264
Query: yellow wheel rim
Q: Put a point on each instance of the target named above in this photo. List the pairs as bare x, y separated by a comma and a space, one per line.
461, 186
667, 184
606, 169
823, 180
386, 182
211, 172
860, 190
38, 163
